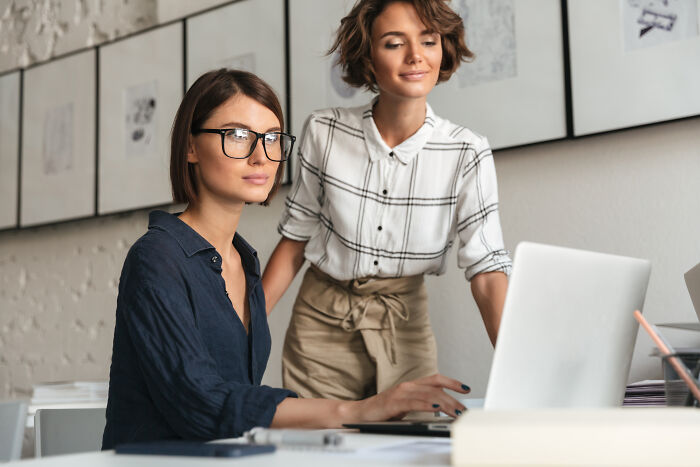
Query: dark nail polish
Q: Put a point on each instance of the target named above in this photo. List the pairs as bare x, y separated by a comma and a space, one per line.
436, 406
466, 388
458, 412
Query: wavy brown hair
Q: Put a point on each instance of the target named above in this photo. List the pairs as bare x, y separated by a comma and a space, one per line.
354, 39
206, 94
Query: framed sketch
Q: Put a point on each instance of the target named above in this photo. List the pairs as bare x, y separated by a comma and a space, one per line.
316, 81
58, 140
513, 92
246, 35
140, 91
633, 62
9, 148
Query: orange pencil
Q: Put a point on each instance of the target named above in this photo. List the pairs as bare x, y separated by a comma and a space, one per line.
676, 362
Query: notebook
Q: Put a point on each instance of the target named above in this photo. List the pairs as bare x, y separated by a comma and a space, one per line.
566, 336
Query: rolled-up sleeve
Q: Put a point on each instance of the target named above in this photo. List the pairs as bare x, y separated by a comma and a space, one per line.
301, 217
481, 247
180, 374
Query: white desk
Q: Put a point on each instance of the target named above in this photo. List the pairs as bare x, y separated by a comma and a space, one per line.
371, 451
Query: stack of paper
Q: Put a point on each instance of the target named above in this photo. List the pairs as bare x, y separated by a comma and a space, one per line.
647, 393
70, 392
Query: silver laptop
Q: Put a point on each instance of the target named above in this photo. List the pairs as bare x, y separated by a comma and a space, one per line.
567, 332
566, 336
692, 281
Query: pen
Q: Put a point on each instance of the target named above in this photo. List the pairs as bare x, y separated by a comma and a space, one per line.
290, 437
666, 349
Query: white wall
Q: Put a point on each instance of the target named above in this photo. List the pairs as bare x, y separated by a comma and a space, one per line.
633, 192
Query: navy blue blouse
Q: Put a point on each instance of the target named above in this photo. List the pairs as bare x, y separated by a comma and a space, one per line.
183, 366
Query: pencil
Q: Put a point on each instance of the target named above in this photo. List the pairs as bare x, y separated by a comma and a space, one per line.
677, 365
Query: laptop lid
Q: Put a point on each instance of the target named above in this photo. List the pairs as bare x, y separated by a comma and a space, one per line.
567, 331
692, 281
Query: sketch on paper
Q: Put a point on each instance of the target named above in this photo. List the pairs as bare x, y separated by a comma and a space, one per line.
245, 62
140, 107
58, 140
339, 91
648, 23
490, 33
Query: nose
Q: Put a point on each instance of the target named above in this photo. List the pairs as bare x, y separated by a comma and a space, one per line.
413, 53
258, 156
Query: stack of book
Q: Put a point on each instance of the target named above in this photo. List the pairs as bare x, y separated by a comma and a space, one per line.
647, 393
67, 395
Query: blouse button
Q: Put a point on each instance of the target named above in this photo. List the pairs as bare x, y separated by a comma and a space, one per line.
214, 259
391, 154
376, 263
384, 192
379, 228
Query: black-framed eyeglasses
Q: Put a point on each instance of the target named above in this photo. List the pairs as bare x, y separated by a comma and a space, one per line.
239, 143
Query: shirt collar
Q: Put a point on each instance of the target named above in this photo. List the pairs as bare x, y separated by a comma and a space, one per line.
192, 243
405, 151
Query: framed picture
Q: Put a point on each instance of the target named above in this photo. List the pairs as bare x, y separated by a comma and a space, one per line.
316, 81
246, 35
633, 62
58, 140
513, 92
140, 91
9, 148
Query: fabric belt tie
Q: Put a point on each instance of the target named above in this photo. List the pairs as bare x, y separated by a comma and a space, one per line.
394, 308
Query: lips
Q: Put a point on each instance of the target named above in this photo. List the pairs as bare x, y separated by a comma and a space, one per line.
413, 75
256, 179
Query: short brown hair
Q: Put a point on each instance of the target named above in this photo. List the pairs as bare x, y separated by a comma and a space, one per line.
206, 94
354, 39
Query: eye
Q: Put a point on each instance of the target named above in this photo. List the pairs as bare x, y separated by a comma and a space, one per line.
238, 134
271, 137
393, 45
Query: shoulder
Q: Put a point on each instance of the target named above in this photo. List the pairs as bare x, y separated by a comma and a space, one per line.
341, 118
154, 258
449, 132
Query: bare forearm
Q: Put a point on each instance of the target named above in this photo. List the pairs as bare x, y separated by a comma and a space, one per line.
489, 291
313, 413
283, 266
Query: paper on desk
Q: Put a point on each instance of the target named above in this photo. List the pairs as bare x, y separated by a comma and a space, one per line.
425, 451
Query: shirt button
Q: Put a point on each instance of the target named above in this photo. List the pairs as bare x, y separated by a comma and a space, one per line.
376, 263
214, 259
384, 192
391, 154
379, 228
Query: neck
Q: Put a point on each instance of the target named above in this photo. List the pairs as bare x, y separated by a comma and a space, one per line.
398, 119
217, 223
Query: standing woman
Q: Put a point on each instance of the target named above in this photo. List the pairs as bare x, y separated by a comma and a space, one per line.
191, 340
381, 193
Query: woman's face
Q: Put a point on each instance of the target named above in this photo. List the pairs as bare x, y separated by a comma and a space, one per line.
405, 54
234, 180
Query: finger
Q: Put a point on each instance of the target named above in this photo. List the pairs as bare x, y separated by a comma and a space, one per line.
436, 396
442, 381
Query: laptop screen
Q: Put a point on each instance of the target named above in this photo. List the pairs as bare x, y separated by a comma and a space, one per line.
692, 280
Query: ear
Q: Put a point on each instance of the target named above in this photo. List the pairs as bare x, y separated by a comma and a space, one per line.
192, 157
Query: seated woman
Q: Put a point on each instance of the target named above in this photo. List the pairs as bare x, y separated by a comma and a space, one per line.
191, 339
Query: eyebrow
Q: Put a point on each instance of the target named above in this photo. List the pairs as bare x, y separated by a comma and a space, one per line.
426, 32
246, 127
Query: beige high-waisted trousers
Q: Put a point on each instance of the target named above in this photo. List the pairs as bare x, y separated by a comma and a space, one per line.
352, 339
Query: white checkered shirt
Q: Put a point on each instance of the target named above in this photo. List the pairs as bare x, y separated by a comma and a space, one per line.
369, 210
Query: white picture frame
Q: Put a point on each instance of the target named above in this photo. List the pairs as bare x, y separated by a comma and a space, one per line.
247, 35
58, 140
141, 86
525, 102
625, 75
525, 107
10, 84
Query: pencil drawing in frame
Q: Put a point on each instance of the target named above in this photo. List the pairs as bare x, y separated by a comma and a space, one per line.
9, 148
140, 90
245, 35
58, 140
633, 62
